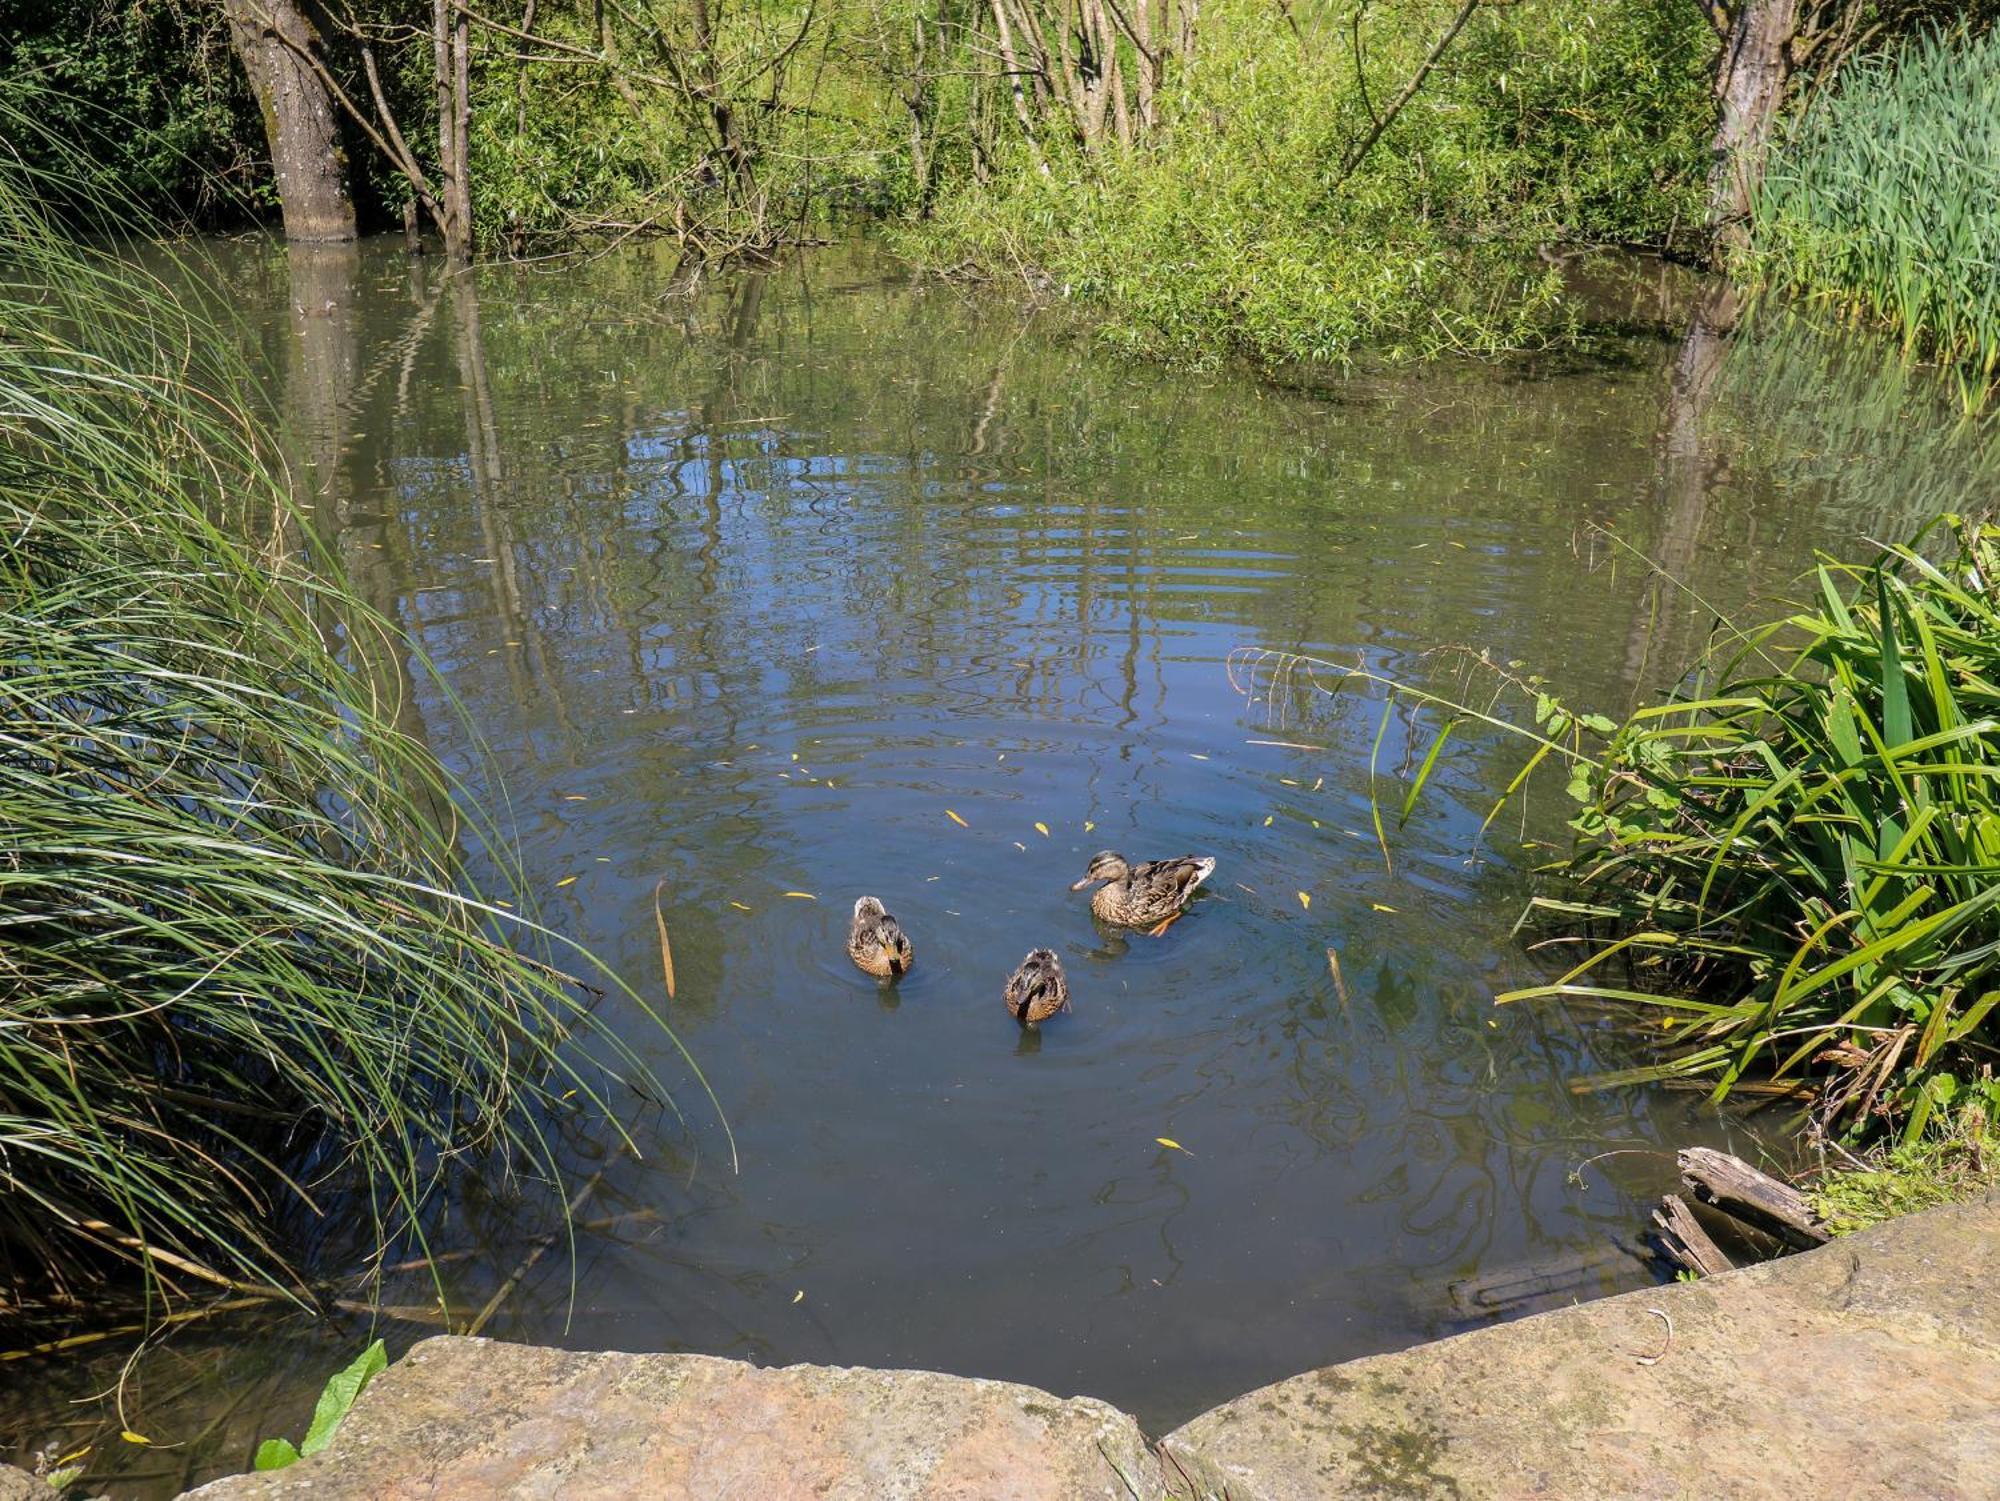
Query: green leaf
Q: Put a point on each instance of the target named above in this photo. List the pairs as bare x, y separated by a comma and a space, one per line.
339, 1396
1896, 728
275, 1454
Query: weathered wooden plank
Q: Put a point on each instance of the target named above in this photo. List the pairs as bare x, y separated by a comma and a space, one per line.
1737, 1189
1685, 1243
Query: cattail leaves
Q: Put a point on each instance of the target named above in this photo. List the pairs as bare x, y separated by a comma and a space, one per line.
1884, 203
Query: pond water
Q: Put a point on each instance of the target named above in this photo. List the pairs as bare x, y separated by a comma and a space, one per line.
823, 582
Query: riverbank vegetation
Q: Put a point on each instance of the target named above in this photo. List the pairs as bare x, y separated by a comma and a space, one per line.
253, 1000
1883, 202
1298, 182
1787, 865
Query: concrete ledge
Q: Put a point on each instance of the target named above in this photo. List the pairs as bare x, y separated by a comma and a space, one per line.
1869, 1368
465, 1419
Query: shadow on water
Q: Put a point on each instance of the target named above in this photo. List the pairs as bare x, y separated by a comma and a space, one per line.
823, 581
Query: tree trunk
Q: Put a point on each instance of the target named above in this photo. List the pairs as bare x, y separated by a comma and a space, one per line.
272, 38
450, 57
1750, 84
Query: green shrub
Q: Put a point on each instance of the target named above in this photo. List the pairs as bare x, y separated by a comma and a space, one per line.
1239, 230
1883, 202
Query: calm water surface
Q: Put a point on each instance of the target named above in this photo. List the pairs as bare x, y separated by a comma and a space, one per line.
826, 582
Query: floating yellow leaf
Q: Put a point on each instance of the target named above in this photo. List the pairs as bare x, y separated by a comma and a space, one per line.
795, 755
565, 881
739, 906
569, 1094
1305, 900
666, 949
1088, 826
575, 797
134, 1438
1168, 1141
956, 819
1042, 829
804, 896
1380, 907
1267, 820
799, 1296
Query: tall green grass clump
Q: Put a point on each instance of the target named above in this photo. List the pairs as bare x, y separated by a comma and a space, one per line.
1791, 865
1883, 202
1798, 855
246, 990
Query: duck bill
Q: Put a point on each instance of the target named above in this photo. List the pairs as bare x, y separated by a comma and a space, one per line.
1079, 885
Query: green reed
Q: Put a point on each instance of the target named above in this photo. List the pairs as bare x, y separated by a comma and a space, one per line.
248, 991
1883, 202
1792, 863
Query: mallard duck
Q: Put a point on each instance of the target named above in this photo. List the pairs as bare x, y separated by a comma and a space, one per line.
876, 942
1037, 990
1146, 896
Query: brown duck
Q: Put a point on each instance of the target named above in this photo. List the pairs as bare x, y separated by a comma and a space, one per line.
877, 942
1037, 990
1148, 896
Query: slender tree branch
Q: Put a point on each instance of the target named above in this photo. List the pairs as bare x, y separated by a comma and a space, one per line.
1409, 92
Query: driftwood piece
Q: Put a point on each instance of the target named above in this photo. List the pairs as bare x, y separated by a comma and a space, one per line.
1737, 1189
1684, 1242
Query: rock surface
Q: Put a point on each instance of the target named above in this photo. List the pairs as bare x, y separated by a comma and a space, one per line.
1869, 1368
468, 1419
19, 1485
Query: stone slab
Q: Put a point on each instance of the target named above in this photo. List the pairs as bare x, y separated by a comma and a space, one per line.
471, 1419
1867, 1369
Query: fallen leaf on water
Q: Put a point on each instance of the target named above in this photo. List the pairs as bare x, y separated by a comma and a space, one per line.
1168, 1141
1042, 829
739, 906
804, 896
799, 1296
575, 797
134, 1438
565, 881
666, 949
1305, 900
795, 755
1001, 757
1288, 781
1339, 984
1381, 907
1020, 846
1319, 784
1088, 826
956, 819
1267, 820
1196, 756
569, 1094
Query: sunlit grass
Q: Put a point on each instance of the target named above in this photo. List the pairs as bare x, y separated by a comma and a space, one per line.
1791, 866
245, 977
1884, 202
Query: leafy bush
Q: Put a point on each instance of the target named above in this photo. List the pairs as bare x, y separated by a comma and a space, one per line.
1883, 202
1243, 229
244, 974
